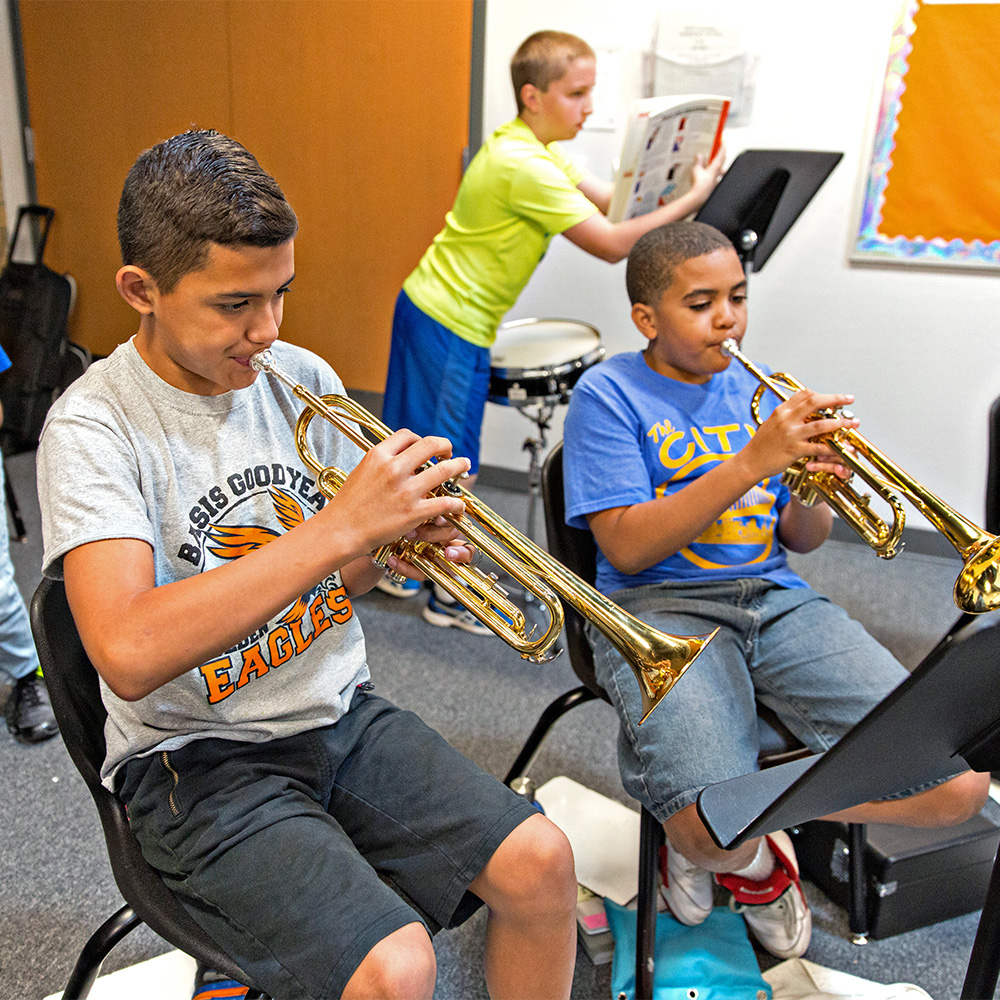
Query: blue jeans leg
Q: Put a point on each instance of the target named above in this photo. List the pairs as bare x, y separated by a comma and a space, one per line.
17, 650
790, 649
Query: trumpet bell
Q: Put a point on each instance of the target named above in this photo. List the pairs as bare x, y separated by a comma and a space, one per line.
977, 588
662, 664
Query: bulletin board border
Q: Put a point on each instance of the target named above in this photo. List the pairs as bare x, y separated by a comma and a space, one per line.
871, 246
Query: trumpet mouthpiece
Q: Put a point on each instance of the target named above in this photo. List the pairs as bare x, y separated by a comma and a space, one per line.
262, 361
728, 347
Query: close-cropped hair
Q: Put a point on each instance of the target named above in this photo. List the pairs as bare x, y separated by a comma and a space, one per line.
193, 190
657, 255
543, 58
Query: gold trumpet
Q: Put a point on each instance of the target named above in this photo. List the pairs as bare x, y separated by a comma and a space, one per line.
657, 659
976, 589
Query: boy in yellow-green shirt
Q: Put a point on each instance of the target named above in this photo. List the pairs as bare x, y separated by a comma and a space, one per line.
518, 192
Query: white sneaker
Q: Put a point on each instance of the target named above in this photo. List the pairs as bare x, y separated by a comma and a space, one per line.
686, 888
408, 588
775, 909
446, 614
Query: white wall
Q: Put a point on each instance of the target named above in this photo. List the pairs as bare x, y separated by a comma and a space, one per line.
917, 347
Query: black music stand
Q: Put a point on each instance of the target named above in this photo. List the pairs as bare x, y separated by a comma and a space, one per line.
943, 719
761, 195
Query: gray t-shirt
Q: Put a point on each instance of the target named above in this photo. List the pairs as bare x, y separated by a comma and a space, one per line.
204, 479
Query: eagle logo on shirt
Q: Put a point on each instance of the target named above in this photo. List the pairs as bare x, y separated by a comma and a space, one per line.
231, 542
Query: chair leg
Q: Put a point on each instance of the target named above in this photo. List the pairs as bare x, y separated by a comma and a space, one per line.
650, 841
551, 715
857, 920
13, 508
964, 619
96, 950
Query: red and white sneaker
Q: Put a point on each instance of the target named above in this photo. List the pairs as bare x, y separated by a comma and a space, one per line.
686, 888
775, 909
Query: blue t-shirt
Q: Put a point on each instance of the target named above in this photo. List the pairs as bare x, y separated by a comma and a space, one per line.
4, 360
632, 435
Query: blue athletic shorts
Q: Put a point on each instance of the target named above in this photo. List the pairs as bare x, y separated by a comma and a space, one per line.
299, 855
437, 382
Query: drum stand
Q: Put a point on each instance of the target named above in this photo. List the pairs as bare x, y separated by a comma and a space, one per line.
541, 415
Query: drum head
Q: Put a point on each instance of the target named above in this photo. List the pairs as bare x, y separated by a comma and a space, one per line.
539, 360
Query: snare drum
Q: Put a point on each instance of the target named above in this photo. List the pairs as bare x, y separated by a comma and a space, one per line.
536, 361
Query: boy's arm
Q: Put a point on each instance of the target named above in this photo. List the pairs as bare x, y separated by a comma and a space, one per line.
802, 528
635, 537
140, 636
597, 191
612, 241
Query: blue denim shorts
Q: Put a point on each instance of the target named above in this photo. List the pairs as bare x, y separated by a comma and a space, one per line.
437, 382
299, 855
790, 649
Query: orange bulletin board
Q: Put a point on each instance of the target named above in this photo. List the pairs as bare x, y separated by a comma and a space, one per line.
932, 194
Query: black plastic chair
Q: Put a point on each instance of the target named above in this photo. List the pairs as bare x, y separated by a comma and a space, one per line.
76, 700
576, 549
993, 471
10, 498
992, 524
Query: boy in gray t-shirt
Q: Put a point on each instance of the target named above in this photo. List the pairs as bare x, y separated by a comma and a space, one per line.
211, 583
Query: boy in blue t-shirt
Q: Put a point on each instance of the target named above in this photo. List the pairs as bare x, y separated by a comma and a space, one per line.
692, 530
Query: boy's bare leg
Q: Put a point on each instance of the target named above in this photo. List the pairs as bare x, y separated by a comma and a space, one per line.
952, 802
944, 805
687, 834
529, 886
400, 967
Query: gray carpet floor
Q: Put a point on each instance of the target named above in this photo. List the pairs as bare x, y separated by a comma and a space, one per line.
56, 884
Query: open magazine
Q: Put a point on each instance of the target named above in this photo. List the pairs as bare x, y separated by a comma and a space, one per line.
663, 137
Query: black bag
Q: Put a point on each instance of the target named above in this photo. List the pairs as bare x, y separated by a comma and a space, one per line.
914, 877
34, 307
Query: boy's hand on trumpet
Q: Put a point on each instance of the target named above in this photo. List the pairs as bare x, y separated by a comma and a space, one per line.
389, 495
794, 431
454, 548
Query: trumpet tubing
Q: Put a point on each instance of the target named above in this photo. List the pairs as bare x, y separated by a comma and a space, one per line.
657, 659
977, 588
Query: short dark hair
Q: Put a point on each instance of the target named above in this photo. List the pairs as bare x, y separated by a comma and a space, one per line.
656, 255
193, 190
543, 58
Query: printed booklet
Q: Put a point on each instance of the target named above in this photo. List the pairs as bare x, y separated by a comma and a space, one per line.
663, 137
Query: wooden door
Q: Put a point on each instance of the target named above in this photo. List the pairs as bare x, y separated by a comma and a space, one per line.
358, 107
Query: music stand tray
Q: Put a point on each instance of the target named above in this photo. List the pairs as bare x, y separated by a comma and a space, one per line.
943, 719
761, 195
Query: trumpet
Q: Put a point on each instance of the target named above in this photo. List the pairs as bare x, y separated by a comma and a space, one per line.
657, 659
976, 589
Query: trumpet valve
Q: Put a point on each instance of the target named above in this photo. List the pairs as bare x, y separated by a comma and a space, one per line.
797, 479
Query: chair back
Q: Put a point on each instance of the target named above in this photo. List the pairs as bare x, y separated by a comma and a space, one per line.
993, 471
576, 549
75, 693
